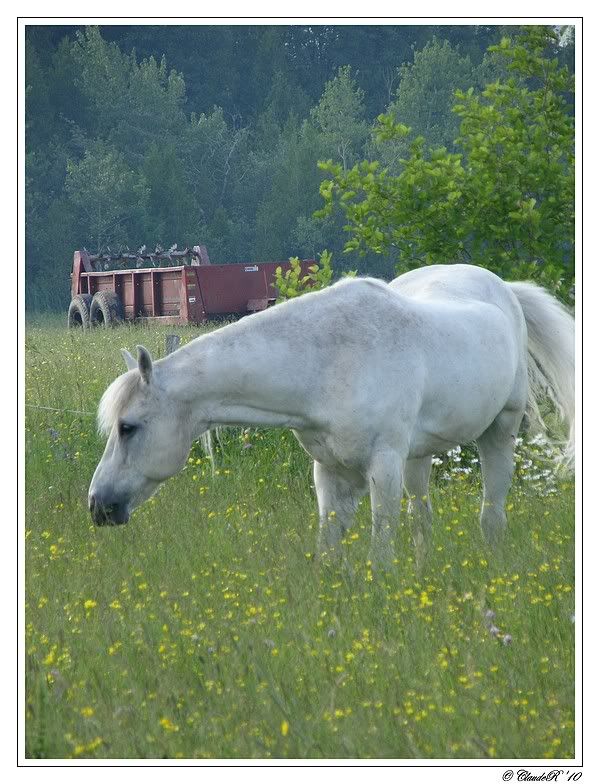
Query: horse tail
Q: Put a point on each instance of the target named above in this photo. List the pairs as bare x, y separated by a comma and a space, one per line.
551, 357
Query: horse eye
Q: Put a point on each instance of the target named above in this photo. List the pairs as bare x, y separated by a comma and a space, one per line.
126, 429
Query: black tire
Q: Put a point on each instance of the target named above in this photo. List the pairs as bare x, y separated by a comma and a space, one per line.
106, 309
79, 311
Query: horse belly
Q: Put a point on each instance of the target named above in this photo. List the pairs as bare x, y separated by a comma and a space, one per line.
439, 433
464, 396
347, 457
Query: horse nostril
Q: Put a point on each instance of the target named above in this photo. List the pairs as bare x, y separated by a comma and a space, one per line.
115, 513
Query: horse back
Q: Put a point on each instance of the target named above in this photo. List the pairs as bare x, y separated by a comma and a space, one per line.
458, 283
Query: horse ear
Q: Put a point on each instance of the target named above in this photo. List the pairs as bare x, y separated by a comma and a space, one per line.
144, 363
129, 360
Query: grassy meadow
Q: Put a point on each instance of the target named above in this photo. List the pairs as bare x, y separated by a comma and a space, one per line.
205, 628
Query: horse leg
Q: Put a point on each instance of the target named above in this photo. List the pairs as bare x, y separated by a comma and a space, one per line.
385, 485
496, 451
338, 501
416, 484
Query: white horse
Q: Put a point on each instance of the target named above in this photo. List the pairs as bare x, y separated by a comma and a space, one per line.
372, 378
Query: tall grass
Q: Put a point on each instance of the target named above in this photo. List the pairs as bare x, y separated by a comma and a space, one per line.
206, 628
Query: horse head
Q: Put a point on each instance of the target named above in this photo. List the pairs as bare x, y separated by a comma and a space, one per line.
149, 438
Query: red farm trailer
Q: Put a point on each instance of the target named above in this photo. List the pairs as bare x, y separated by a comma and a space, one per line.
107, 289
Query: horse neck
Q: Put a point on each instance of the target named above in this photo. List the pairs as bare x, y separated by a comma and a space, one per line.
242, 374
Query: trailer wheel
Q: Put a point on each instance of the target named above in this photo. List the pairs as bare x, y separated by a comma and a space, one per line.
106, 309
79, 311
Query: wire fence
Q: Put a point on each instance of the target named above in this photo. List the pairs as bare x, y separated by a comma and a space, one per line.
60, 410
172, 343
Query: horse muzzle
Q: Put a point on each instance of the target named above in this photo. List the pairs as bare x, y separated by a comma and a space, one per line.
103, 513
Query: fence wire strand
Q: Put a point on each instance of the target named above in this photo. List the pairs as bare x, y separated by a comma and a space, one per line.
60, 410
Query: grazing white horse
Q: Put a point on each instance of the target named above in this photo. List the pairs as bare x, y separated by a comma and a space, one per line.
372, 378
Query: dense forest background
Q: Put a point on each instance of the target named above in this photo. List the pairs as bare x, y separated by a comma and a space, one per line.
211, 134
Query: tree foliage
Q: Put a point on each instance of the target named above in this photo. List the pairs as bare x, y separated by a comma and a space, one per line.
339, 116
505, 200
293, 283
212, 134
424, 95
109, 196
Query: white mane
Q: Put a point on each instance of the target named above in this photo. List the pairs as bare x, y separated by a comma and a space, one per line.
115, 399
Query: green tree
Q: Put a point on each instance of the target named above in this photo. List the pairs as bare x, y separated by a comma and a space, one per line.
309, 234
129, 104
214, 153
505, 200
108, 196
425, 91
170, 210
51, 231
339, 116
293, 283
292, 189
284, 219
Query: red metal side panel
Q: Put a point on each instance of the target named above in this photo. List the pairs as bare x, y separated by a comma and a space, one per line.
127, 295
185, 311
153, 282
76, 274
119, 281
104, 282
168, 291
100, 281
227, 288
193, 295
144, 305
81, 265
